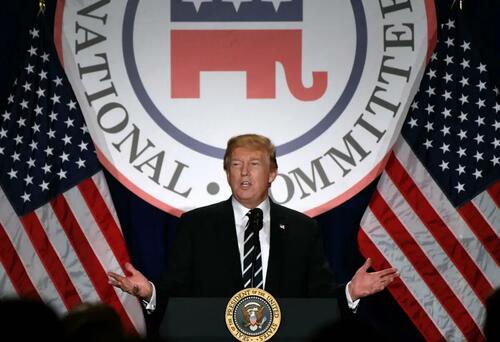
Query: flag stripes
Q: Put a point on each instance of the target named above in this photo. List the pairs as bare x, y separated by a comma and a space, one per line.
440, 232
93, 210
50, 260
483, 231
5, 283
87, 256
486, 265
67, 253
494, 192
444, 266
406, 299
102, 187
442, 263
103, 218
485, 203
13, 268
62, 252
428, 272
24, 267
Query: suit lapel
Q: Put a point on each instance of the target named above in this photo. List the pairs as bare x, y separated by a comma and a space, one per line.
228, 242
276, 245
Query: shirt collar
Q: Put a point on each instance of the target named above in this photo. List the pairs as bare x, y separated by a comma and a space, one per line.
240, 211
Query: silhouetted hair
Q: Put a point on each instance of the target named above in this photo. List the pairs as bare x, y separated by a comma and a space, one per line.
491, 330
24, 319
347, 329
253, 142
97, 322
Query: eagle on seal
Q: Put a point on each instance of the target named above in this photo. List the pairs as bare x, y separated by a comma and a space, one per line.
253, 316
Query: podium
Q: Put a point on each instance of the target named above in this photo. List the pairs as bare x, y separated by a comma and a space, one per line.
202, 319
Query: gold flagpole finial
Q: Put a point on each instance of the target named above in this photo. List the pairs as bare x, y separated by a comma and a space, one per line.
41, 6
455, 2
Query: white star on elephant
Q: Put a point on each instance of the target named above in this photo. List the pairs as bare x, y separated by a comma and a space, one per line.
236, 3
276, 3
197, 3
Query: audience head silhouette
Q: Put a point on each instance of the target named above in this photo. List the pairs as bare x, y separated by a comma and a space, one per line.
93, 322
29, 320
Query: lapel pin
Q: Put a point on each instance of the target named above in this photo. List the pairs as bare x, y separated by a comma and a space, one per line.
282, 226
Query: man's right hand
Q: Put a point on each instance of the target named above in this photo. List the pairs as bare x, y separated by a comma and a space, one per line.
135, 284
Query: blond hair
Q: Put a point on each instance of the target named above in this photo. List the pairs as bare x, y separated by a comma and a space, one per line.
252, 142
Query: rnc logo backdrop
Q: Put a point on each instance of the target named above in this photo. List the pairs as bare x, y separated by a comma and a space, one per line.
164, 84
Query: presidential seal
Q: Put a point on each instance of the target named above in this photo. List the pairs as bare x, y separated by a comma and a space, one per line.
253, 315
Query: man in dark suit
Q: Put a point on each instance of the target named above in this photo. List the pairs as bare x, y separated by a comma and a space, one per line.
208, 255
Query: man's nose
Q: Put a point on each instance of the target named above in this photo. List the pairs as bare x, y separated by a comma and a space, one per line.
244, 169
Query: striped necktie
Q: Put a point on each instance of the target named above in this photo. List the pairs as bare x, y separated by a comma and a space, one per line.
252, 260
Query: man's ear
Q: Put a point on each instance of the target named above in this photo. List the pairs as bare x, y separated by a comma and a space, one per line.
272, 175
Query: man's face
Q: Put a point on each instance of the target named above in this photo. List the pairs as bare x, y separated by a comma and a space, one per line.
249, 175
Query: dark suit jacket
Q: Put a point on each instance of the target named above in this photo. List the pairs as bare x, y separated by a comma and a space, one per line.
205, 260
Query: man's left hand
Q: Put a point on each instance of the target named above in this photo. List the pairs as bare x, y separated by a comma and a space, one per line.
366, 283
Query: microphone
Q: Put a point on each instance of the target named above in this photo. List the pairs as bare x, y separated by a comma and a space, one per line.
256, 219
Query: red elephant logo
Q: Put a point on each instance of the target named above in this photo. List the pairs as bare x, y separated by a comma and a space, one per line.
255, 52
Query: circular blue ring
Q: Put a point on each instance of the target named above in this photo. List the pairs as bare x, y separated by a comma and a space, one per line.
216, 152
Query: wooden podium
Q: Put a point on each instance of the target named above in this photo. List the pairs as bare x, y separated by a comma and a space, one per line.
202, 319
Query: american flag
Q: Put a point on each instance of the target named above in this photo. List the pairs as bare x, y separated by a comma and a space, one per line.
435, 214
59, 234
